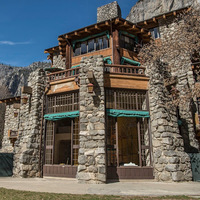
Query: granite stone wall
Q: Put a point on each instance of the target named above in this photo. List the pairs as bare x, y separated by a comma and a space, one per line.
59, 61
171, 142
11, 123
92, 157
26, 149
108, 11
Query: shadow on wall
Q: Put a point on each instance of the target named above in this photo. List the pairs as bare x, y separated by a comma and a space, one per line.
2, 115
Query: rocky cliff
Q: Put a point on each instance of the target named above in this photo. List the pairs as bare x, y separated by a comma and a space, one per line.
146, 9
16, 77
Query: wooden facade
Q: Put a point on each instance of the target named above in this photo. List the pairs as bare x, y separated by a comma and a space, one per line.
126, 88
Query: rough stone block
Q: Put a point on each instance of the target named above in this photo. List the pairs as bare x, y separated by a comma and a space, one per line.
109, 11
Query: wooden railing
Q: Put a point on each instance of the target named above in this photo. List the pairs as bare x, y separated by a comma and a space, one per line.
113, 69
125, 70
69, 73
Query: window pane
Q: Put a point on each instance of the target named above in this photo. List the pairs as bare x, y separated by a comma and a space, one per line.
91, 45
100, 41
105, 42
77, 50
83, 47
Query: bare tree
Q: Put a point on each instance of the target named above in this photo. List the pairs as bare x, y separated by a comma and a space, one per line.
173, 54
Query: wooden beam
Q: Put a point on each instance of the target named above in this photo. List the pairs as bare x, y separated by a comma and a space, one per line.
107, 23
164, 17
116, 52
87, 30
76, 33
60, 39
117, 21
154, 20
96, 27
134, 27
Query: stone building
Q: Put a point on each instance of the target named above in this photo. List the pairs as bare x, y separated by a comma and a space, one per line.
95, 115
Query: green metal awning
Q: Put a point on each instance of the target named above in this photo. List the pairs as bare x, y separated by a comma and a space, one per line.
127, 113
59, 116
133, 62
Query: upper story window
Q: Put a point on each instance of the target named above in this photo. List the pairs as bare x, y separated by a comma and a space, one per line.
91, 45
155, 33
128, 43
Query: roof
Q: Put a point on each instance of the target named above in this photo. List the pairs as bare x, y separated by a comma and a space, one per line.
152, 22
99, 27
10, 99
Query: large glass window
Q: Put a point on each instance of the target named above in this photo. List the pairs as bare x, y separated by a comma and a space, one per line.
91, 45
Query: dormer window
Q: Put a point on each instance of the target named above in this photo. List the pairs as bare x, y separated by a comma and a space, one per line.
155, 33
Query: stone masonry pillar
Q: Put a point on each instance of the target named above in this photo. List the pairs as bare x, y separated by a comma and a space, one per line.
92, 158
171, 162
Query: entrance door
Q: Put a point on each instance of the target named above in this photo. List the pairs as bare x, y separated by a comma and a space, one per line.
128, 148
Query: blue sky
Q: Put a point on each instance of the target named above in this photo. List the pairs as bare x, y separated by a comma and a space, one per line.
27, 27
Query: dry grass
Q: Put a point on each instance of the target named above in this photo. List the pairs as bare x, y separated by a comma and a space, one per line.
24, 195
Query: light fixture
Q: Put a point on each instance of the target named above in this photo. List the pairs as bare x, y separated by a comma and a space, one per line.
90, 88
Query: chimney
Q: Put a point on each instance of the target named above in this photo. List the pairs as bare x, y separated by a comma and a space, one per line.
108, 11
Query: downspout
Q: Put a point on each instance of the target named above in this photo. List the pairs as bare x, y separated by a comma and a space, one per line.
41, 131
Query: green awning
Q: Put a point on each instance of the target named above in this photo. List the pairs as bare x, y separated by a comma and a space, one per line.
59, 116
133, 62
127, 113
108, 60
75, 66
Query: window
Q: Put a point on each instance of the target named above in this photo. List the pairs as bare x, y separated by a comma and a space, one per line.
91, 45
126, 99
127, 43
155, 33
62, 142
63, 102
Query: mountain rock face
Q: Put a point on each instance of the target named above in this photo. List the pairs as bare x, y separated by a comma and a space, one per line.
16, 77
146, 9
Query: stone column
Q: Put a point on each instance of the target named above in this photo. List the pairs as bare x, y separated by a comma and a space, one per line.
26, 149
92, 157
171, 163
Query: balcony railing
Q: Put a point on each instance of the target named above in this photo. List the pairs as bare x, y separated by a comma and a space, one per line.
125, 70
69, 73
112, 69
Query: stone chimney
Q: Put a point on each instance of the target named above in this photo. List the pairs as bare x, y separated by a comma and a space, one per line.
108, 11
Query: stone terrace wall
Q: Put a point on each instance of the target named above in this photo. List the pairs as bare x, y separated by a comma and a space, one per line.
11, 123
92, 158
26, 148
